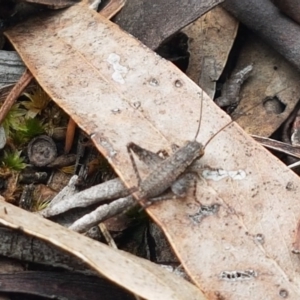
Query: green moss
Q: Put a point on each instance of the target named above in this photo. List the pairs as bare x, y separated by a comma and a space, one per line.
13, 161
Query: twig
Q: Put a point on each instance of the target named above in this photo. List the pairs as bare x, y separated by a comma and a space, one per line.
108, 238
70, 135
102, 213
264, 18
109, 190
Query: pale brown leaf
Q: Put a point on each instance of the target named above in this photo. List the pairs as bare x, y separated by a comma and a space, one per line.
210, 40
272, 79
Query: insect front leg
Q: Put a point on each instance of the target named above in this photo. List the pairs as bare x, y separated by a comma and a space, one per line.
132, 147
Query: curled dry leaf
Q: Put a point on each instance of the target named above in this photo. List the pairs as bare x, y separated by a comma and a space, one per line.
238, 243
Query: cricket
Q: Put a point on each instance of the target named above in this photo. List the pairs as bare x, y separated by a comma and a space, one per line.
173, 172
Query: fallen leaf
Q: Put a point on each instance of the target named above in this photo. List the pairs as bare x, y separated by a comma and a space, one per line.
210, 40
238, 244
272, 79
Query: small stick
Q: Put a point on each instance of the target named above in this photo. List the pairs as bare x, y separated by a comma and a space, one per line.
109, 190
14, 94
108, 238
112, 8
70, 135
102, 213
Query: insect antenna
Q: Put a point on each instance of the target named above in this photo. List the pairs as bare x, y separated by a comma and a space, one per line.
200, 118
228, 124
201, 93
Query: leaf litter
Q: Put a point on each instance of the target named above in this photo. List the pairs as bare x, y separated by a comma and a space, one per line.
215, 250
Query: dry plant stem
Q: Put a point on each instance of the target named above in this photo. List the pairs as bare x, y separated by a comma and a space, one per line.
70, 135
102, 213
109, 190
265, 19
294, 165
108, 238
278, 146
14, 94
112, 8
296, 244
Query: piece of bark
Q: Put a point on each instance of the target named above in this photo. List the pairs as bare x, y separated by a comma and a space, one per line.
102, 213
273, 83
15, 244
278, 146
11, 68
61, 285
14, 94
154, 21
265, 19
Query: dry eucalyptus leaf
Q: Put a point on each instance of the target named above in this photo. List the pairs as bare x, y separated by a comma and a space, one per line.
273, 81
210, 41
237, 244
134, 274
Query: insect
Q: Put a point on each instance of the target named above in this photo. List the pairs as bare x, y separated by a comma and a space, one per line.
174, 171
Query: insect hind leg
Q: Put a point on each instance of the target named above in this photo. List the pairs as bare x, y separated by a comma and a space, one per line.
130, 149
178, 189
